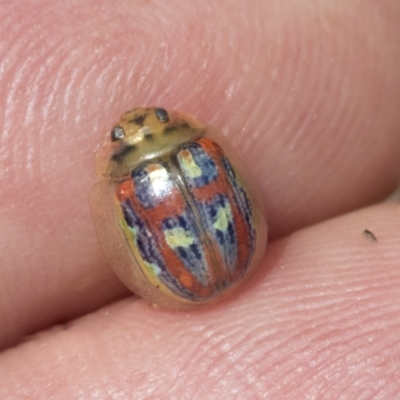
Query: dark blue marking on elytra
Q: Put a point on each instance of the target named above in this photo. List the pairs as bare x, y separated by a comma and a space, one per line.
191, 255
207, 165
146, 241
226, 239
148, 248
242, 201
144, 189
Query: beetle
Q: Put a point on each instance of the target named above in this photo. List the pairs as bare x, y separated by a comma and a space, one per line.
173, 214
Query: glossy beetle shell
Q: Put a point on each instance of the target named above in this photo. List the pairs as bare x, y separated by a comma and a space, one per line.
173, 215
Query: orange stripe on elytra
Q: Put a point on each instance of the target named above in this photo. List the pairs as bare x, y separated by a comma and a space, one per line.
124, 190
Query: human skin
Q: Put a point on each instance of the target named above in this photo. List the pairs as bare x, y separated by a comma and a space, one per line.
308, 93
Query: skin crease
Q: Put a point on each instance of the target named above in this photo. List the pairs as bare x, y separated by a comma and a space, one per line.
308, 94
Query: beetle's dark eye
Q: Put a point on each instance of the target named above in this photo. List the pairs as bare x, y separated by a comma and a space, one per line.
162, 114
117, 133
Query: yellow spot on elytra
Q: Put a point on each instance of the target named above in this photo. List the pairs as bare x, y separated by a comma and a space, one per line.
152, 268
178, 237
189, 165
224, 216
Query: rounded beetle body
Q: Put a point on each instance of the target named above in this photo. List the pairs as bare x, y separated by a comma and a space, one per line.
173, 215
